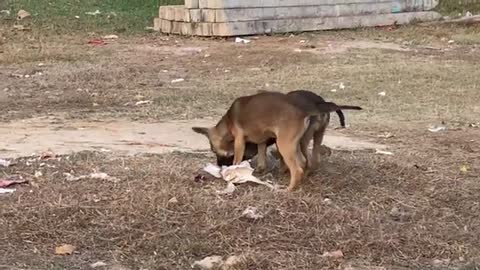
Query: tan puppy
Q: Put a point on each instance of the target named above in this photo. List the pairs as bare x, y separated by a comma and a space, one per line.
303, 99
260, 117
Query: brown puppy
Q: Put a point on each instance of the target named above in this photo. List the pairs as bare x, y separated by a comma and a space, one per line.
303, 99
258, 118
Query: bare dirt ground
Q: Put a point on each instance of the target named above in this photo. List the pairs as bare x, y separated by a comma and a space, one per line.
416, 209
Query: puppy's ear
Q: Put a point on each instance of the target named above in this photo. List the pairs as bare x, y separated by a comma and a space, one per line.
201, 130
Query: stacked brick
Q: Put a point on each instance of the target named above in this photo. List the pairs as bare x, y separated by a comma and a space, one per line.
252, 17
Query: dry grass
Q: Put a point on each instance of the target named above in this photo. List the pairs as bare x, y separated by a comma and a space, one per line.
400, 212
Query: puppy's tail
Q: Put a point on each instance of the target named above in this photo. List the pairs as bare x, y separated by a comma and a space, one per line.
327, 107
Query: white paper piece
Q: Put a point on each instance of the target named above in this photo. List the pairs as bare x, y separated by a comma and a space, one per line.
7, 190
235, 174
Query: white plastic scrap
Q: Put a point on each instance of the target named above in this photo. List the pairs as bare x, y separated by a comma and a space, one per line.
235, 174
102, 176
241, 40
377, 151
208, 263
178, 80
252, 213
437, 129
98, 264
5, 163
7, 190
96, 12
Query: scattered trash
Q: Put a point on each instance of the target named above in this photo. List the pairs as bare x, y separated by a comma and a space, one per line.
97, 41
333, 90
65, 250
440, 262
297, 50
77, 17
206, 55
252, 213
22, 14
38, 174
474, 125
5, 11
178, 80
173, 200
5, 163
7, 190
386, 135
110, 37
143, 102
241, 40
437, 129
395, 212
96, 12
451, 41
20, 27
327, 201
464, 168
6, 183
49, 154
382, 94
233, 261
377, 151
235, 174
341, 86
102, 176
207, 263
228, 190
333, 254
98, 264
111, 14
303, 41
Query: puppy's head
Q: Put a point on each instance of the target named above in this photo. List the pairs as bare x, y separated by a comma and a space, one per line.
251, 150
221, 145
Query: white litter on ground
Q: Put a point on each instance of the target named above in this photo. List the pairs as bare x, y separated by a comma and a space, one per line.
235, 174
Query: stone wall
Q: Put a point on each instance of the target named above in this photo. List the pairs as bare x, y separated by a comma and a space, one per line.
251, 17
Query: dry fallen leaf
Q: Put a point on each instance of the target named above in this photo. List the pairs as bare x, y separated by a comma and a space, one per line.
65, 250
464, 168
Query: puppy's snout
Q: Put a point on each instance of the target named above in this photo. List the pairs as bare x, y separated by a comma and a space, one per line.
224, 161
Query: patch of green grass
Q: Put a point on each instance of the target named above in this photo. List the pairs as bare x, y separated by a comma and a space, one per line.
453, 7
63, 16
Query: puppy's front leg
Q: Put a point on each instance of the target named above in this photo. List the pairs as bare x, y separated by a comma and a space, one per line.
239, 150
262, 157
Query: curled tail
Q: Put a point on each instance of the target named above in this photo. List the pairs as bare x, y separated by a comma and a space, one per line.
341, 117
327, 107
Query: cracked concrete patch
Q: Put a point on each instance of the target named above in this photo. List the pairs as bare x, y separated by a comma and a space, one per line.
35, 135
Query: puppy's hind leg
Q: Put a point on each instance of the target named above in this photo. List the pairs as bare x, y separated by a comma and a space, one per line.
288, 144
262, 157
318, 149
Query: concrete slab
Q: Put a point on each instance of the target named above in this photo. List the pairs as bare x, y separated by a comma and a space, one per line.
180, 14
157, 24
167, 26
276, 13
218, 4
195, 15
315, 24
189, 4
30, 136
